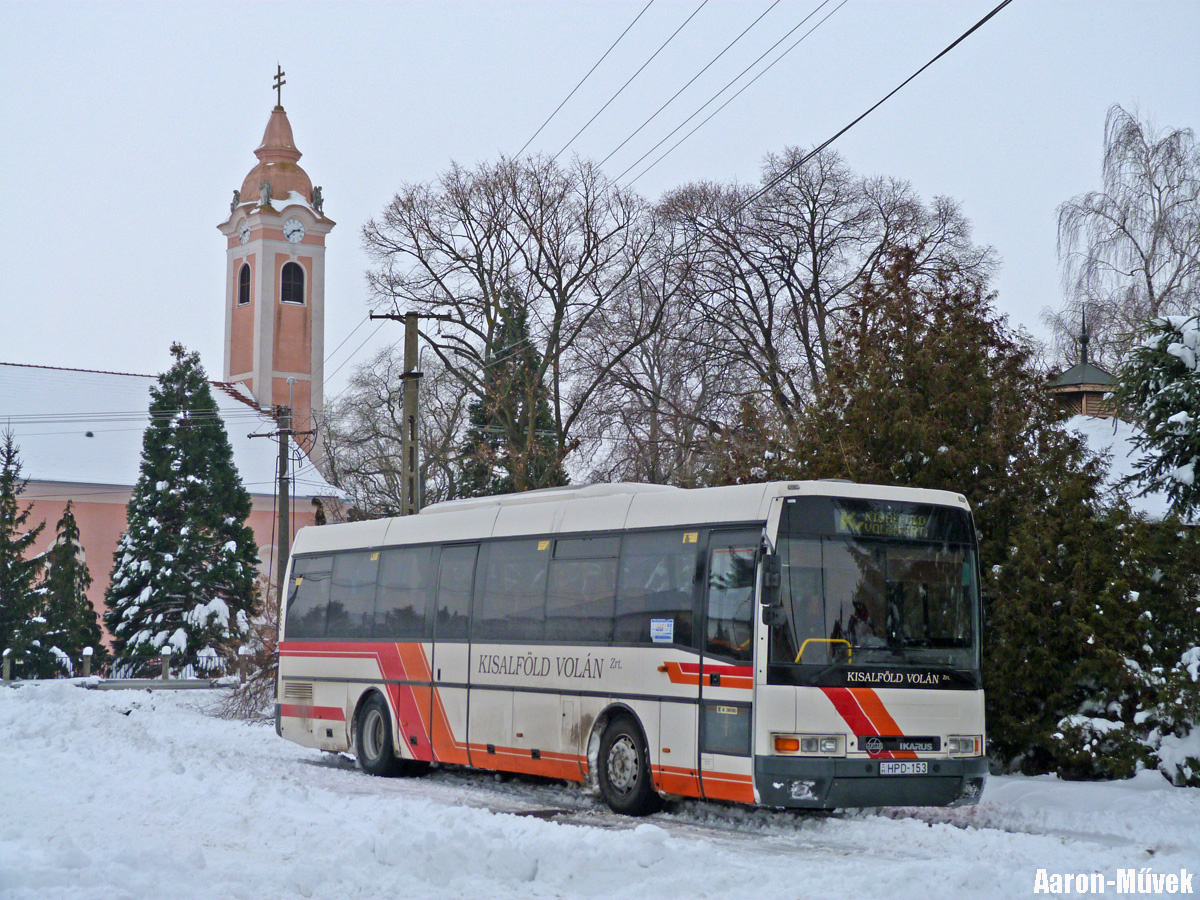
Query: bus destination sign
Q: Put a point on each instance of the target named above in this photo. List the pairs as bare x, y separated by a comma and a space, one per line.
882, 523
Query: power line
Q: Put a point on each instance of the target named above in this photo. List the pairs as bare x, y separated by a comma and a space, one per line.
794, 166
195, 416
727, 85
333, 352
585, 77
637, 130
355, 353
703, 3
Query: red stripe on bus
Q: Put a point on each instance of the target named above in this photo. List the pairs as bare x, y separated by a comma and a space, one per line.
297, 711
849, 709
391, 660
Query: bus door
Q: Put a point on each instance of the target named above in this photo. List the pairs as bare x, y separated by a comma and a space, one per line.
727, 666
450, 667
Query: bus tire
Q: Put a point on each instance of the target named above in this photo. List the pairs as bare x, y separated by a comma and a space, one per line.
373, 743
623, 769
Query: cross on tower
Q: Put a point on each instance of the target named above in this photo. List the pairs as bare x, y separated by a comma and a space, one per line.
279, 83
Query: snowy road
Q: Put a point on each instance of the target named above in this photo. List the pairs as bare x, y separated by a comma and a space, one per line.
125, 794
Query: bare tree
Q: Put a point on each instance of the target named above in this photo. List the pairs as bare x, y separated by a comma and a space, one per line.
778, 271
1130, 252
564, 240
362, 434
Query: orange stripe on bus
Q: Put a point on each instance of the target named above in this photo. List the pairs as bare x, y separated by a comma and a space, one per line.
515, 759
673, 780
720, 786
880, 717
731, 676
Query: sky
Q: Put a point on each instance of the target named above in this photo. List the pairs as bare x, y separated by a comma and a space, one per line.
125, 127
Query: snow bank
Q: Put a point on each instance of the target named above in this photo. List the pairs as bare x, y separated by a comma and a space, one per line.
1115, 438
124, 794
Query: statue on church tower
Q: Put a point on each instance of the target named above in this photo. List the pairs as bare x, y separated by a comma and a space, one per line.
275, 279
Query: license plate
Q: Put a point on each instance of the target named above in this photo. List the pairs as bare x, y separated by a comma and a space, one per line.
904, 768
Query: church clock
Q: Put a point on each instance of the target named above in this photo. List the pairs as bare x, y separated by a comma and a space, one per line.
293, 230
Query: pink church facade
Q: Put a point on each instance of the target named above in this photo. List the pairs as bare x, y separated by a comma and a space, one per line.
80, 431
80, 436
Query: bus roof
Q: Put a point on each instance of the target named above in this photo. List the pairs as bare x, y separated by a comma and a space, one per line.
594, 507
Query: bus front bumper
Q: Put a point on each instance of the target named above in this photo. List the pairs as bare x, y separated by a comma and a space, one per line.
811, 783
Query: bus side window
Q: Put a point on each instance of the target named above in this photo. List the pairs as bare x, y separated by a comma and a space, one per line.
308, 598
352, 595
657, 587
405, 586
579, 602
512, 600
456, 575
731, 596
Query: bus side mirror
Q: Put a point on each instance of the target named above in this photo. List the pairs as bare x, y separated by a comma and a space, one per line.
771, 581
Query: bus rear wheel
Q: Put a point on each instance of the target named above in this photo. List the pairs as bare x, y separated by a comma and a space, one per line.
624, 769
373, 739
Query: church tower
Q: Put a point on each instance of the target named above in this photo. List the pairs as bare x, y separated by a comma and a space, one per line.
275, 279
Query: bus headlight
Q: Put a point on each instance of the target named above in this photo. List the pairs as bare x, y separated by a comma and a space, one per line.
810, 744
968, 745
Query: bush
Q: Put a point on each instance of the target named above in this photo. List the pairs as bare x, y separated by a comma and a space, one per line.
1093, 749
1175, 721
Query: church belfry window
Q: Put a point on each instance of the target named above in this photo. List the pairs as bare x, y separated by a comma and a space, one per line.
292, 284
244, 284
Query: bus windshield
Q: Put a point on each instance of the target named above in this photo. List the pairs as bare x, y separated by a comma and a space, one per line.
873, 583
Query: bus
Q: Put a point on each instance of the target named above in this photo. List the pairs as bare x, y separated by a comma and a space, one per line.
791, 644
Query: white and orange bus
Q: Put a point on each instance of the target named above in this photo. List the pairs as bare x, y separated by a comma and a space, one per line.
793, 644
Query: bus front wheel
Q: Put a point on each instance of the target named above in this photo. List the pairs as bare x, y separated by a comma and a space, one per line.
373, 739
624, 769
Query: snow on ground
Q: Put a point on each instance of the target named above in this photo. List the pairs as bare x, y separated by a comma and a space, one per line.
132, 794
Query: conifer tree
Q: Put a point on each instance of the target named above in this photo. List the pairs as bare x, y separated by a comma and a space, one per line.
1158, 385
929, 388
72, 623
19, 570
509, 445
184, 570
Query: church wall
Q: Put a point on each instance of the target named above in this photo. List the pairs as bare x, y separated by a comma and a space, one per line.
241, 350
293, 323
101, 522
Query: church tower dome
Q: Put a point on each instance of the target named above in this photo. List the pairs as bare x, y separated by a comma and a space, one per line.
277, 164
275, 281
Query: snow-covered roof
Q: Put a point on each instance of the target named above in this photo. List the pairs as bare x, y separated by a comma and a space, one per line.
78, 426
1115, 437
278, 204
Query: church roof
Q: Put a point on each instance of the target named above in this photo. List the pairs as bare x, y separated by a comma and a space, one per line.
78, 426
1083, 373
278, 163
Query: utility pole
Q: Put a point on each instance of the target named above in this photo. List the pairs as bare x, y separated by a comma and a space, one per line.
285, 433
281, 553
412, 499
410, 496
